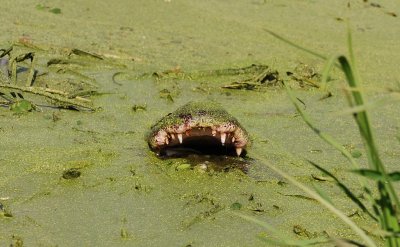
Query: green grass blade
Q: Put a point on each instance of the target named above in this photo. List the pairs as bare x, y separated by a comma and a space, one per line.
326, 137
267, 226
346, 243
280, 238
296, 45
361, 108
330, 140
345, 189
327, 70
371, 174
394, 176
388, 202
366, 132
297, 243
375, 175
348, 72
368, 241
322, 193
350, 44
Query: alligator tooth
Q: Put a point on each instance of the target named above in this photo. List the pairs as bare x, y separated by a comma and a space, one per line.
239, 151
223, 137
172, 136
180, 138
166, 140
214, 133
233, 139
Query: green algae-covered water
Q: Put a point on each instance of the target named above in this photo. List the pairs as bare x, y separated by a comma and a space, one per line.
83, 178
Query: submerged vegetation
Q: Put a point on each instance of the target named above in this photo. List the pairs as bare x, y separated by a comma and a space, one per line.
18, 77
385, 204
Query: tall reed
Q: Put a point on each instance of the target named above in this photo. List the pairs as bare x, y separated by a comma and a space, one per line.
385, 204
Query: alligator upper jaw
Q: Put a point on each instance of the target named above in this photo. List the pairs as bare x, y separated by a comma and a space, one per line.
204, 140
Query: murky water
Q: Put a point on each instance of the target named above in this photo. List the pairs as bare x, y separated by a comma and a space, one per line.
124, 194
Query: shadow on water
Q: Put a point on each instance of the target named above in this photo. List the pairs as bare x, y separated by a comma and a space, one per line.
217, 158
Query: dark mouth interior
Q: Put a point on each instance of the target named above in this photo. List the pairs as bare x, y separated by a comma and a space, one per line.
201, 145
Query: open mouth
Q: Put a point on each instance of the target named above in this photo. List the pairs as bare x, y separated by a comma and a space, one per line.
199, 127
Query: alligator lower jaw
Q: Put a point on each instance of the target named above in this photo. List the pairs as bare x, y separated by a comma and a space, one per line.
201, 139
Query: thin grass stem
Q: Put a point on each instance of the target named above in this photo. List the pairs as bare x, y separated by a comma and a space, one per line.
366, 131
368, 241
296, 45
281, 238
326, 71
326, 137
